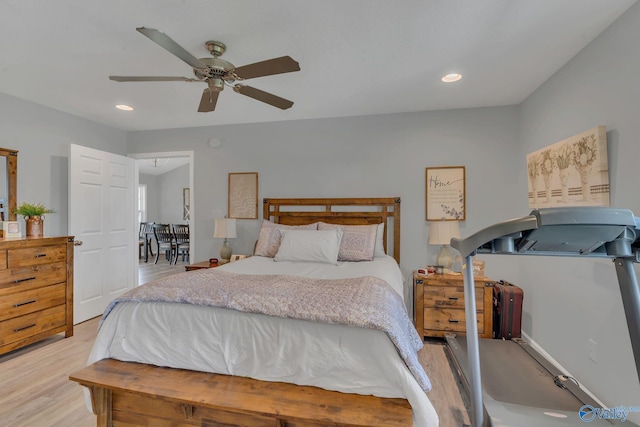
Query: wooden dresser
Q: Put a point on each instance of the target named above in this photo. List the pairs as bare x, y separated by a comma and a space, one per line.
439, 302
36, 290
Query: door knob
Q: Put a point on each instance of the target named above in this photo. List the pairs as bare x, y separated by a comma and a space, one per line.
77, 243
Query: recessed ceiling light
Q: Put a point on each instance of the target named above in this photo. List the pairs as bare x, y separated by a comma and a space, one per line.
450, 78
124, 107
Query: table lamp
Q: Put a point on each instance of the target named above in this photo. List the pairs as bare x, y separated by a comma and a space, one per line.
440, 233
225, 228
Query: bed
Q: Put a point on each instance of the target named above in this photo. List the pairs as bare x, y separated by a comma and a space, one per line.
253, 332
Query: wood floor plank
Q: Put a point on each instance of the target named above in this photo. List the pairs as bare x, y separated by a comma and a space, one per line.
36, 391
445, 394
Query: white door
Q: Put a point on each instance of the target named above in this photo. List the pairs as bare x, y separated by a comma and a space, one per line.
101, 216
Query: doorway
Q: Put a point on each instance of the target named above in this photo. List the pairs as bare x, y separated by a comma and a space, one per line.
177, 196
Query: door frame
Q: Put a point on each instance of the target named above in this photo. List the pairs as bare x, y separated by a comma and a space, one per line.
192, 212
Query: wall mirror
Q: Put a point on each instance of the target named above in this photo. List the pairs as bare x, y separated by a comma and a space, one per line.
8, 183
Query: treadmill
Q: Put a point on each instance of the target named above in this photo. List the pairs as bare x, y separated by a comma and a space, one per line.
542, 396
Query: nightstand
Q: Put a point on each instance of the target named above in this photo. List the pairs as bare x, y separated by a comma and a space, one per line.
439, 302
199, 265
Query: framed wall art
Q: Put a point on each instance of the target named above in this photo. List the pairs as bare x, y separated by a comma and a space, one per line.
186, 200
243, 195
571, 172
445, 197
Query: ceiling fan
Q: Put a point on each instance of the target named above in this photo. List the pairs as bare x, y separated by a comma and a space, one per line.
217, 72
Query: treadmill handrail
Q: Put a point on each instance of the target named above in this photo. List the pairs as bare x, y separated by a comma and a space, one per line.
607, 232
599, 231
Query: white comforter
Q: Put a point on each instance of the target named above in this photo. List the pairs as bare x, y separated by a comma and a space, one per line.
300, 352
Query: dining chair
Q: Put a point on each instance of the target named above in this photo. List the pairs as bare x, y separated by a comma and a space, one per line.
181, 239
145, 235
164, 241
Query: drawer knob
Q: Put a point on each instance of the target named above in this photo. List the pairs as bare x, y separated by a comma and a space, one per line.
453, 321
23, 280
453, 298
40, 255
24, 303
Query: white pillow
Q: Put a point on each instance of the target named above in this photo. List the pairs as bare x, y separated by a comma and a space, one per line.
269, 238
309, 245
379, 249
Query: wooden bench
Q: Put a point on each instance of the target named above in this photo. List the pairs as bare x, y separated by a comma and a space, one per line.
134, 394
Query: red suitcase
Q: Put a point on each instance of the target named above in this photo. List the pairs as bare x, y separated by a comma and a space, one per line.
507, 310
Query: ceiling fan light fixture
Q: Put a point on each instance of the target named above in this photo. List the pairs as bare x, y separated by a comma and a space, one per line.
124, 107
215, 85
451, 77
215, 48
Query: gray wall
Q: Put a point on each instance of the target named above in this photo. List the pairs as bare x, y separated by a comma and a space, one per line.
374, 156
170, 185
42, 137
164, 195
567, 301
153, 196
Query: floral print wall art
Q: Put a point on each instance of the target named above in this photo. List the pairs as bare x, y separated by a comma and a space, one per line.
572, 172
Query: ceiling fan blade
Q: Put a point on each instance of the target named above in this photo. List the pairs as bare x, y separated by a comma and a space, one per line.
152, 79
166, 42
263, 96
284, 64
208, 101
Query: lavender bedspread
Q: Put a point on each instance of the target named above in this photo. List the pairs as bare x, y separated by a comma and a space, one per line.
366, 302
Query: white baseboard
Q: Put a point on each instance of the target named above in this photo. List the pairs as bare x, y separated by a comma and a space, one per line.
555, 363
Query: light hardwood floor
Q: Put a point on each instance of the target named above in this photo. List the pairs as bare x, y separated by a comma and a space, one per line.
35, 390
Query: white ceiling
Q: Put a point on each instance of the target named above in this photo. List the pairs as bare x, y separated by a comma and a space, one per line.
357, 57
159, 165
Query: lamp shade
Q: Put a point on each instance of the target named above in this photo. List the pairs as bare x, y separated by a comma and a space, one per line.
441, 232
224, 228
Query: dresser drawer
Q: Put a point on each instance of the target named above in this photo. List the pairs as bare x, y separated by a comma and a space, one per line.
20, 303
22, 327
35, 276
450, 296
35, 256
448, 319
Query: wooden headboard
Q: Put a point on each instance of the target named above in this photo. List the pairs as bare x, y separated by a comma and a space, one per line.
345, 211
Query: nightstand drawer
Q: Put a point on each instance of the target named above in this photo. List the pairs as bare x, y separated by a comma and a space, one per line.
447, 296
448, 319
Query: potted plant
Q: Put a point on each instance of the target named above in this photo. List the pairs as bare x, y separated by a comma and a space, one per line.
33, 214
